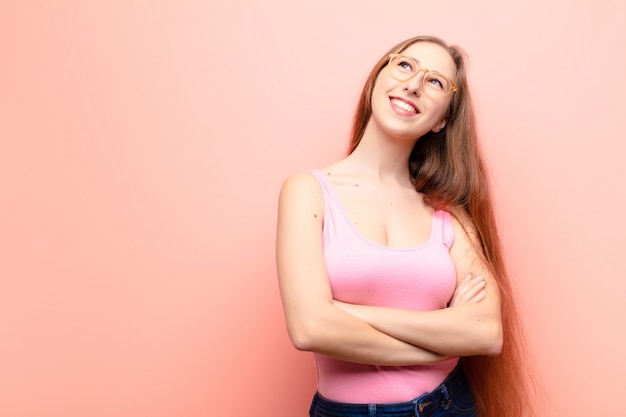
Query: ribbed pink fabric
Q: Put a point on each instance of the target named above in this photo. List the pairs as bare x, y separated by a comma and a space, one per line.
363, 272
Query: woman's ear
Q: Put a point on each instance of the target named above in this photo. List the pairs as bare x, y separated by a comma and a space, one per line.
440, 126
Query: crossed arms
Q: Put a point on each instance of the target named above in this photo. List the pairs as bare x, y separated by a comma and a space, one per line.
471, 325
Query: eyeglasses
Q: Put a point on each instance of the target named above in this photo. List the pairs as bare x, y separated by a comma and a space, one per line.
434, 84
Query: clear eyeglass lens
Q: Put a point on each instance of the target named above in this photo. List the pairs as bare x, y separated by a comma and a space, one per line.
434, 84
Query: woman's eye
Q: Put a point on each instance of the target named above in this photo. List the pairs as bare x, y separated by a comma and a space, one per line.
405, 66
436, 82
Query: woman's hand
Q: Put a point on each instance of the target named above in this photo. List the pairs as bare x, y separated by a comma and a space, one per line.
469, 325
470, 290
313, 322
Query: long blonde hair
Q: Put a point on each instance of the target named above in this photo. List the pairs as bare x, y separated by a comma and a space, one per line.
449, 169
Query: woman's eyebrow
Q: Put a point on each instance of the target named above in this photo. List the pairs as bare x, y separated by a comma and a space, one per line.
429, 69
421, 65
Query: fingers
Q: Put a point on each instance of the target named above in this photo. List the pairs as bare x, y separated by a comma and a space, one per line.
475, 287
469, 290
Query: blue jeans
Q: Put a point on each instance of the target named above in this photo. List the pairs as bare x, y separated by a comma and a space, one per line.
452, 398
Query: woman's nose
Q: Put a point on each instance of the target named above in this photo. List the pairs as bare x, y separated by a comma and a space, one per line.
414, 85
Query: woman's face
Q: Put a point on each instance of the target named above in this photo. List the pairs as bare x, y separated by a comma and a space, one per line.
401, 109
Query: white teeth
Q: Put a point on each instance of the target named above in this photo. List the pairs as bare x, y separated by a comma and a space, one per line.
401, 105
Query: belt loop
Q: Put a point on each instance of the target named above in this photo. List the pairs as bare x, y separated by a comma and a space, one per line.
445, 403
372, 410
444, 391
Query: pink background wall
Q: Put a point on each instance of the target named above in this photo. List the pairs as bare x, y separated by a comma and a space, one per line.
143, 144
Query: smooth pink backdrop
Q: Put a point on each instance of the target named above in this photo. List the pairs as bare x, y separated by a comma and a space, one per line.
143, 144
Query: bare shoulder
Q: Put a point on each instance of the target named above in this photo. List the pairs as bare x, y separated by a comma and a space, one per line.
299, 229
299, 181
464, 229
301, 191
301, 185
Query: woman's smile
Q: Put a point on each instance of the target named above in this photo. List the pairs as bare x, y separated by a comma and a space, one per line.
404, 107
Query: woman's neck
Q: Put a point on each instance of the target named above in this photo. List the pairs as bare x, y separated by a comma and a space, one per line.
384, 158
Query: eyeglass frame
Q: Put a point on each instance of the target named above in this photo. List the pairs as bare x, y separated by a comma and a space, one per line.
419, 69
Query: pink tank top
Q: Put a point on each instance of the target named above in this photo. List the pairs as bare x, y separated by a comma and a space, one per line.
363, 272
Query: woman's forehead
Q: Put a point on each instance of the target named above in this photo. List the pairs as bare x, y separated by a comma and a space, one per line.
432, 56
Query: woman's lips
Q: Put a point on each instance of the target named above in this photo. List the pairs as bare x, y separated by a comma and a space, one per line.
404, 106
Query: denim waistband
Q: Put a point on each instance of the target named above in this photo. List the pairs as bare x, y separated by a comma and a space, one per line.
439, 397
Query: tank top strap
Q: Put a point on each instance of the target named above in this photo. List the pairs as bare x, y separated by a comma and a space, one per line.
444, 229
323, 182
327, 194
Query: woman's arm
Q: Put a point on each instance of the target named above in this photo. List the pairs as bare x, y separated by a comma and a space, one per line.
472, 324
313, 321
